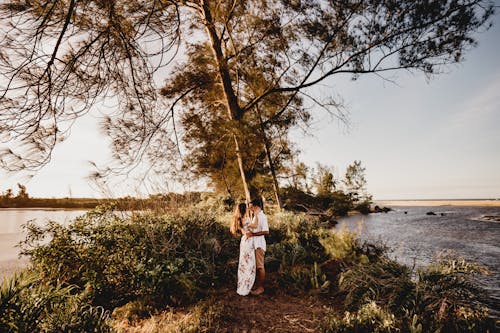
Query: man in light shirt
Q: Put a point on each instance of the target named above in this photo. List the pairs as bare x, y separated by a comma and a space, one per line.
258, 234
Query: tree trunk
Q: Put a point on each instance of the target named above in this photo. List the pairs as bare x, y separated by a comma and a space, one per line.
234, 111
267, 146
242, 170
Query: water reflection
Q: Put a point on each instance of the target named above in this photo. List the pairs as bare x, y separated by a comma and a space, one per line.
12, 219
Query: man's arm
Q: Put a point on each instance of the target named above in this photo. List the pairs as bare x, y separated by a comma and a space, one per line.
255, 223
260, 233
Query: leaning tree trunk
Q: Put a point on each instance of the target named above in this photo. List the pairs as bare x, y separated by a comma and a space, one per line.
234, 110
267, 146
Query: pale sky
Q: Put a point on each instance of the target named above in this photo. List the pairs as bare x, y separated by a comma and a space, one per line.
419, 139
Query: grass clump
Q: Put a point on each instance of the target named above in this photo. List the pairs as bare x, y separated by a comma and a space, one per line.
369, 318
204, 316
28, 304
442, 298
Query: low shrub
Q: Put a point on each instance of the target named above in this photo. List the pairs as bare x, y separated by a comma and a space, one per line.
443, 298
384, 281
166, 259
139, 264
204, 316
27, 304
447, 296
369, 318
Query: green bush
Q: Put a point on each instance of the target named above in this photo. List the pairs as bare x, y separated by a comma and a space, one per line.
166, 259
363, 206
103, 261
29, 305
442, 298
338, 202
384, 281
301, 247
447, 296
369, 318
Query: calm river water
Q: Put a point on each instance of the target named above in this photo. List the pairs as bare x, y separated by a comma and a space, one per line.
11, 231
415, 237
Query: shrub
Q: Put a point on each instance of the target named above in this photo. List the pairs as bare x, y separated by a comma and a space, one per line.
166, 259
443, 298
302, 247
205, 316
29, 305
141, 263
369, 318
447, 296
384, 281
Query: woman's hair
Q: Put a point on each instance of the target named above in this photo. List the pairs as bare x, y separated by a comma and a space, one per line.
237, 221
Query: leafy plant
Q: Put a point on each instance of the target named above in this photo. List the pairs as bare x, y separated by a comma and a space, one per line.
369, 318
447, 296
166, 259
384, 281
29, 305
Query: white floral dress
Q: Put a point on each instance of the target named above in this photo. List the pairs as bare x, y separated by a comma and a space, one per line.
246, 265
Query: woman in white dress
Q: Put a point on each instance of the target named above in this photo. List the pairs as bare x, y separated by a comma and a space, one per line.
246, 265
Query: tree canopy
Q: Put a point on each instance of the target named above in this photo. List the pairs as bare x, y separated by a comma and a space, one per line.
218, 78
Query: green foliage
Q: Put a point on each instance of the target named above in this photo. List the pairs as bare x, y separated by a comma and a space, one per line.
139, 264
157, 202
364, 206
446, 293
369, 318
324, 181
338, 202
383, 280
204, 316
442, 298
168, 259
27, 304
300, 248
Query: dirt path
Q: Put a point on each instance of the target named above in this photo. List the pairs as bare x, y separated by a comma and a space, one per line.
273, 313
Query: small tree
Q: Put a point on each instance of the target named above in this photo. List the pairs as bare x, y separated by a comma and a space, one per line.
8, 194
324, 181
355, 182
22, 194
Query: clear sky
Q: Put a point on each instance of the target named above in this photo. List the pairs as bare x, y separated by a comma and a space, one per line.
418, 139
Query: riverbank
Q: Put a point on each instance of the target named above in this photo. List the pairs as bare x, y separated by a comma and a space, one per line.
148, 288
435, 203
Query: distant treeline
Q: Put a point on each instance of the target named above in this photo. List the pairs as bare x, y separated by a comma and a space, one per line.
23, 200
327, 200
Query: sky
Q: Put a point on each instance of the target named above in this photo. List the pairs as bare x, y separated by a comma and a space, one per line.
417, 138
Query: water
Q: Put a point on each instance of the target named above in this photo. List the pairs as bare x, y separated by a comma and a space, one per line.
11, 232
415, 238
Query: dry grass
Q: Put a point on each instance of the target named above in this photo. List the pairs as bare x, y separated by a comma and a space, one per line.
203, 317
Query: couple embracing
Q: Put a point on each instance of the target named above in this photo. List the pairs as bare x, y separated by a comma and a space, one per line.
252, 247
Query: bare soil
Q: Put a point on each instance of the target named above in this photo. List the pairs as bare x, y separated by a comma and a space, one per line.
273, 313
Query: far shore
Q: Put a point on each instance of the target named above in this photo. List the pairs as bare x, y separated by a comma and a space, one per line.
476, 203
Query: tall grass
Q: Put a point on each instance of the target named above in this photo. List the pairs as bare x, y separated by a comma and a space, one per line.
204, 316
27, 304
442, 298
